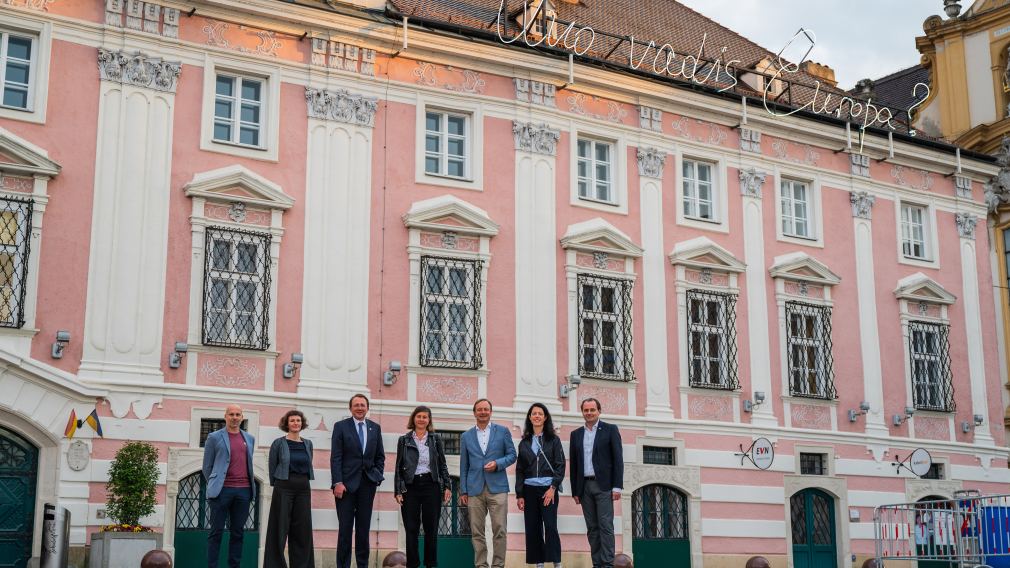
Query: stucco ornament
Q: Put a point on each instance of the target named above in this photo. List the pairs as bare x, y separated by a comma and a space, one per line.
997, 189
341, 106
138, 69
650, 162
862, 204
751, 181
536, 138
237, 212
966, 225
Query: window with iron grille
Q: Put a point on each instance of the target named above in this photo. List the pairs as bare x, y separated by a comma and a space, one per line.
15, 231
210, 425
450, 312
605, 328
17, 55
659, 456
813, 464
808, 336
929, 350
236, 289
451, 441
935, 472
699, 193
712, 340
659, 513
193, 508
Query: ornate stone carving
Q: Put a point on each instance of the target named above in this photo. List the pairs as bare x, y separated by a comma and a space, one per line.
997, 189
341, 106
343, 56
471, 82
42, 5
268, 42
449, 240
236, 212
539, 139
447, 389
536, 92
781, 150
750, 140
138, 69
932, 428
803, 288
859, 164
650, 162
966, 225
705, 277
600, 260
687, 478
650, 118
751, 181
711, 408
923, 309
962, 186
862, 204
898, 173
716, 134
234, 372
811, 416
615, 111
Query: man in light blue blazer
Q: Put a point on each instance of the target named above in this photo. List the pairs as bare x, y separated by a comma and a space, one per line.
228, 469
486, 451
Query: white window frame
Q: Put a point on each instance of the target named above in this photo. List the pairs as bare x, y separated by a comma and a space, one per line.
444, 137
38, 80
690, 191
814, 218
474, 113
472, 296
720, 221
931, 259
618, 168
267, 150
591, 182
237, 102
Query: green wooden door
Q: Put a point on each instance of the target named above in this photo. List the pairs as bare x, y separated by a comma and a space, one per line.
455, 550
813, 528
660, 532
19, 462
192, 526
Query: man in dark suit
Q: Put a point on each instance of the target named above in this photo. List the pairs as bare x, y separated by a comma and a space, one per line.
357, 461
597, 473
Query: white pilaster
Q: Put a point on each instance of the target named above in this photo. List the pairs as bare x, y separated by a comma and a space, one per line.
757, 298
129, 236
869, 337
973, 325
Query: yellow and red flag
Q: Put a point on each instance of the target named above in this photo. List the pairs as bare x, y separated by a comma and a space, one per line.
71, 425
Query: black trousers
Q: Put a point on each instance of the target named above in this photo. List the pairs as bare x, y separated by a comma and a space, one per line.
422, 505
354, 514
543, 544
231, 506
290, 523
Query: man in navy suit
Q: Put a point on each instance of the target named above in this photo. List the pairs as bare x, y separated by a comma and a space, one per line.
227, 467
597, 474
357, 461
486, 451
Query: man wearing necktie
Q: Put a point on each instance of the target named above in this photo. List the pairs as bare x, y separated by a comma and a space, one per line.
357, 461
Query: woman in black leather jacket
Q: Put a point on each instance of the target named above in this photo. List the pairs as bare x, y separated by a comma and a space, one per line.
540, 469
422, 484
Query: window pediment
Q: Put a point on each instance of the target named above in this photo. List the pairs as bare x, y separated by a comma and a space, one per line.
921, 288
450, 213
19, 156
238, 184
597, 235
801, 266
702, 253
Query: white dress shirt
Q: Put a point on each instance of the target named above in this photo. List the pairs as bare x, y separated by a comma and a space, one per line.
483, 437
364, 429
423, 454
588, 439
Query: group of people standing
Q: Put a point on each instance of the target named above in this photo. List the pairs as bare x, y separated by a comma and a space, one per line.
421, 485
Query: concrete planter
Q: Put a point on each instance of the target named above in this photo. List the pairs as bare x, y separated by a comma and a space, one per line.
121, 549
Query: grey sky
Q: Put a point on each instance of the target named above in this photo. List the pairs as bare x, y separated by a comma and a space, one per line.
856, 38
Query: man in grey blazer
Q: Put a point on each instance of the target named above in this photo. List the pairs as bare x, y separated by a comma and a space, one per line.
227, 467
486, 451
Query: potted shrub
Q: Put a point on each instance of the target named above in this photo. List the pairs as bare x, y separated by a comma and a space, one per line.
131, 495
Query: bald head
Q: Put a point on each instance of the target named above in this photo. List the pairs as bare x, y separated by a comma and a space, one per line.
233, 417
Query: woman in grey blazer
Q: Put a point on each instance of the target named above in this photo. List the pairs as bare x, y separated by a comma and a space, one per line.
290, 520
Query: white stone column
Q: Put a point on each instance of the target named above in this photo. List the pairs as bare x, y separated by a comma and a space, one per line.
869, 336
973, 324
536, 264
657, 376
758, 331
337, 214
129, 228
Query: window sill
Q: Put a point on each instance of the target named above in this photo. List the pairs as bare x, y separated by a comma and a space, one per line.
19, 331
471, 184
703, 224
233, 351
733, 393
816, 242
597, 381
263, 153
446, 371
920, 262
792, 399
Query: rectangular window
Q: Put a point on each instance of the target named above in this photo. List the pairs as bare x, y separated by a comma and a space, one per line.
929, 349
808, 337
595, 170
711, 326
699, 192
935, 472
813, 464
17, 70
605, 328
451, 439
446, 144
238, 110
210, 425
236, 289
659, 456
15, 231
450, 312
795, 207
913, 232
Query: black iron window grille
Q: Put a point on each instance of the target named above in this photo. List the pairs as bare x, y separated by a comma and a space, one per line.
455, 517
656, 455
210, 425
451, 441
605, 328
929, 350
236, 281
15, 237
808, 340
193, 508
660, 513
450, 312
712, 340
813, 464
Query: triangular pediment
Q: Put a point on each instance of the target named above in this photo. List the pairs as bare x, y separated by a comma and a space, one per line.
597, 235
19, 156
800, 266
702, 253
238, 184
450, 213
920, 287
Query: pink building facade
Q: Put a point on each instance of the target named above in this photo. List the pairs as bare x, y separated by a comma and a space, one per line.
262, 179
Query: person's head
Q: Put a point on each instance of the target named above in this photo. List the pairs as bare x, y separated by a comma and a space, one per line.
537, 416
420, 419
359, 406
482, 411
292, 421
233, 417
590, 410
